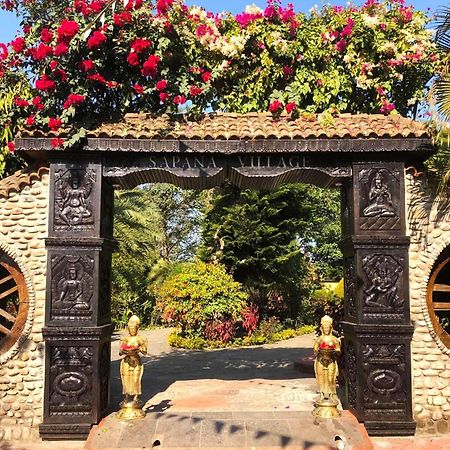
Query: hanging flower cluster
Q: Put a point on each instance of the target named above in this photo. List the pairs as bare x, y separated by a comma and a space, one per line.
101, 59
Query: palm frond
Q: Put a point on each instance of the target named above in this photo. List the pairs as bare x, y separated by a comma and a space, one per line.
442, 94
442, 23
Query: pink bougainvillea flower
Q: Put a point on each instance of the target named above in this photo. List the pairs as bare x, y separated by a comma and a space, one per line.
46, 35
206, 76
11, 146
21, 103
291, 106
96, 40
380, 90
54, 124
18, 44
56, 142
347, 31
275, 106
161, 85
387, 107
179, 100
162, 6
150, 67
195, 90
67, 30
31, 120
288, 71
139, 45
45, 83
133, 59
138, 89
61, 49
74, 100
341, 45
87, 65
97, 77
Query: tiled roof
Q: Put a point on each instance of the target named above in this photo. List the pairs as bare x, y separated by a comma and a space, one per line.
18, 180
252, 126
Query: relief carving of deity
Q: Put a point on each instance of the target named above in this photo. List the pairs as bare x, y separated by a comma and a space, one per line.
382, 273
380, 199
73, 190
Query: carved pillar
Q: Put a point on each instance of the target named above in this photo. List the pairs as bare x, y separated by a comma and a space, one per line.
77, 312
377, 324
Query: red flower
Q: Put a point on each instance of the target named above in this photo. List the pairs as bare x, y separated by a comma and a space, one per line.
341, 45
206, 76
21, 103
53, 64
18, 44
97, 77
179, 100
61, 49
45, 83
36, 100
54, 124
161, 85
73, 99
122, 18
163, 96
60, 73
290, 107
96, 40
194, 90
67, 30
41, 52
138, 89
11, 146
133, 59
46, 35
288, 71
387, 107
275, 106
162, 6
140, 45
56, 142
30, 120
150, 67
87, 65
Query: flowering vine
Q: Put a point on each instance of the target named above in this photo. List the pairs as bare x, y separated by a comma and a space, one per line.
92, 61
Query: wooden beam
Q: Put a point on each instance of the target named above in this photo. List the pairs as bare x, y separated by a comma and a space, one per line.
4, 280
441, 306
7, 315
9, 291
441, 288
4, 329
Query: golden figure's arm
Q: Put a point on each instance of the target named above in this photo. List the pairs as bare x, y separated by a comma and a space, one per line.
316, 346
338, 346
143, 346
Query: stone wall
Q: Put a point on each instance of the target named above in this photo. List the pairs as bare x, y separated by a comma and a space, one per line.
429, 228
23, 228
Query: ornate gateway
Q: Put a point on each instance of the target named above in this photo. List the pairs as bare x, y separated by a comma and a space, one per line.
363, 155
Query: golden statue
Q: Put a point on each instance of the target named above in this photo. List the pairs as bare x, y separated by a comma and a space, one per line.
131, 370
326, 349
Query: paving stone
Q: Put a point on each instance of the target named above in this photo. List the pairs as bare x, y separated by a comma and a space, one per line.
222, 433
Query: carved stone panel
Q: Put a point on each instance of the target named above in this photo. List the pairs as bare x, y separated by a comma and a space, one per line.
379, 198
72, 286
385, 391
104, 372
73, 202
384, 291
70, 383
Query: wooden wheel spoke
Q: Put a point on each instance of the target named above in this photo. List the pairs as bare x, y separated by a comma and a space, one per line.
8, 292
7, 315
3, 329
4, 280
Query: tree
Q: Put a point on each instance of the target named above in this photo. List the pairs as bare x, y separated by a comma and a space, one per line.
258, 236
442, 83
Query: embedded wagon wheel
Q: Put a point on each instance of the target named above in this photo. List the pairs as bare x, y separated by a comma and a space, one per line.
13, 303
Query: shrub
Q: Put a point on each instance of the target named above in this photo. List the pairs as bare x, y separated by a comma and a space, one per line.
203, 300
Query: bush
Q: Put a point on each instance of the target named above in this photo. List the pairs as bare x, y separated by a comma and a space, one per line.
327, 302
203, 300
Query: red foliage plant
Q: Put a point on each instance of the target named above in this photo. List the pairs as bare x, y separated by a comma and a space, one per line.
224, 330
250, 318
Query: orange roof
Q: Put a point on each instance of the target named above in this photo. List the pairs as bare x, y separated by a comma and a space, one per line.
251, 126
18, 180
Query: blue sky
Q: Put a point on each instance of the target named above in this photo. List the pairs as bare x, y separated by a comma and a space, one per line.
9, 24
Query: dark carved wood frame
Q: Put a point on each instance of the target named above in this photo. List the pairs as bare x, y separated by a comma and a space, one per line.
377, 324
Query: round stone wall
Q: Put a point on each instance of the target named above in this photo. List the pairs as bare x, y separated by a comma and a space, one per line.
429, 228
23, 228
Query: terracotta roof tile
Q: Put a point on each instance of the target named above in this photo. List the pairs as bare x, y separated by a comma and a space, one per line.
252, 126
18, 180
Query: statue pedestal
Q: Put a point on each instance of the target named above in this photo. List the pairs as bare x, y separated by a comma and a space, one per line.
131, 410
326, 408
